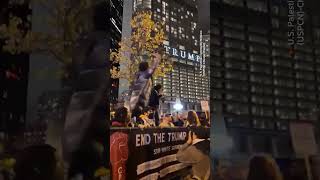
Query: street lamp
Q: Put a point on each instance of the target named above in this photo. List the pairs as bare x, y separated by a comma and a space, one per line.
178, 106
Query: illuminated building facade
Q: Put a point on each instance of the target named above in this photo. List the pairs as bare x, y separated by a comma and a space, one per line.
189, 80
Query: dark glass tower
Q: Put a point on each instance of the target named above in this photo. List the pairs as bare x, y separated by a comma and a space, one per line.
260, 83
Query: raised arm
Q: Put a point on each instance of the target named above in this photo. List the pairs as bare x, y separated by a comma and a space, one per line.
156, 62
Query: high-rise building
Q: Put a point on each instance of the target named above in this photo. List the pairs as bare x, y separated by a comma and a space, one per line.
115, 36
260, 83
188, 81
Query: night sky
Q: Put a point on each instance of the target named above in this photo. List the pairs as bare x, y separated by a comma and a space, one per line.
204, 14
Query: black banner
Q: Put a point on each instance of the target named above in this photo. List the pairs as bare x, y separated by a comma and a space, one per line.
152, 152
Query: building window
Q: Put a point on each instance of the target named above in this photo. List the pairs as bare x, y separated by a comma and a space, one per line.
260, 69
306, 95
303, 85
282, 125
305, 76
275, 10
147, 3
167, 28
282, 73
259, 59
317, 33
235, 55
237, 86
234, 3
236, 75
284, 102
303, 66
230, 24
306, 105
282, 62
233, 34
261, 90
262, 100
234, 44
258, 49
284, 82
286, 114
237, 97
275, 23
193, 26
236, 65
258, 39
261, 79
262, 111
257, 5
237, 109
284, 92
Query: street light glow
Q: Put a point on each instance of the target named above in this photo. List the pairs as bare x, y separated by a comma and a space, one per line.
178, 106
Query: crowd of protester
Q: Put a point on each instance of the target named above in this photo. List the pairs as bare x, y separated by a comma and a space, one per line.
145, 118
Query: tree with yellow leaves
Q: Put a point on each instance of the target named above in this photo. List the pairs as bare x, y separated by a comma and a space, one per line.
67, 22
71, 38
147, 38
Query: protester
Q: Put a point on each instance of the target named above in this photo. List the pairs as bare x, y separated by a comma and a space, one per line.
166, 121
121, 117
263, 167
119, 151
204, 121
144, 120
135, 113
177, 121
154, 101
142, 84
192, 119
196, 153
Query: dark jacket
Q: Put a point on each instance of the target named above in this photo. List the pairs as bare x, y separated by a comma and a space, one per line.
178, 123
154, 100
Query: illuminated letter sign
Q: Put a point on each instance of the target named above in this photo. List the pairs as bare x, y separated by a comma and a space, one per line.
191, 56
182, 54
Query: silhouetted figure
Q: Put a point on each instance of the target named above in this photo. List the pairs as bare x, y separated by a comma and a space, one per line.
195, 152
142, 84
38, 163
263, 167
121, 117
119, 150
154, 101
193, 119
